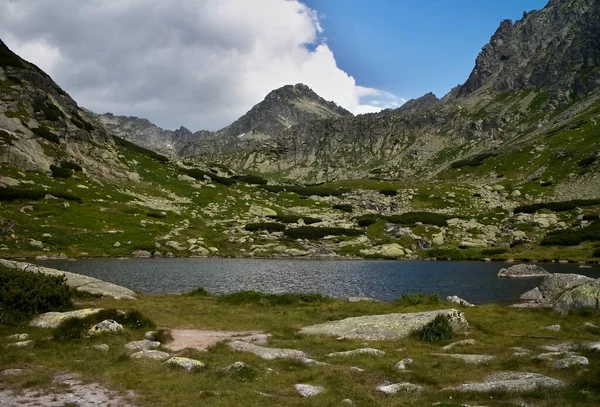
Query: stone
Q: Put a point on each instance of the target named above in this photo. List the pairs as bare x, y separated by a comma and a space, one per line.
571, 361
532, 295
523, 271
510, 382
457, 300
190, 365
141, 253
362, 351
13, 372
18, 337
117, 244
204, 339
144, 344
311, 362
150, 354
384, 327
54, 319
266, 353
552, 328
584, 296
356, 369
469, 359
307, 390
393, 250
362, 299
403, 364
103, 347
236, 366
36, 243
400, 388
466, 342
256, 210
21, 344
106, 326
555, 285
347, 402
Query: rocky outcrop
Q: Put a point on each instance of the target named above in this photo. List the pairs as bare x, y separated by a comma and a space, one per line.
54, 319
564, 292
523, 271
513, 382
583, 296
383, 327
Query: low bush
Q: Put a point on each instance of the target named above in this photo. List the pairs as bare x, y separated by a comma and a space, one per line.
25, 294
200, 175
366, 220
344, 207
586, 162
494, 251
557, 206
411, 218
265, 226
314, 233
294, 219
86, 125
251, 179
156, 215
591, 216
475, 161
306, 190
388, 192
596, 253
139, 149
439, 253
71, 165
8, 194
44, 133
418, 299
255, 297
573, 237
198, 292
59, 172
439, 329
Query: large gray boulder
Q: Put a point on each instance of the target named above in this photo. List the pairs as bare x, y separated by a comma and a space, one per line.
266, 353
513, 382
54, 319
555, 285
523, 271
384, 327
583, 296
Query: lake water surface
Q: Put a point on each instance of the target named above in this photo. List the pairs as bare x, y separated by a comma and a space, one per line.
384, 280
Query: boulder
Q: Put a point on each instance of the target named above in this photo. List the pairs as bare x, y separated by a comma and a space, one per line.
510, 382
532, 295
457, 300
311, 362
256, 210
144, 344
18, 337
523, 271
141, 253
384, 327
307, 390
191, 365
469, 359
571, 361
466, 342
21, 344
400, 388
354, 352
393, 250
362, 299
102, 347
555, 285
106, 326
403, 364
266, 353
150, 354
584, 296
54, 319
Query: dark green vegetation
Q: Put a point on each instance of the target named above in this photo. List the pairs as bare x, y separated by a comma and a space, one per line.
314, 233
306, 190
156, 215
25, 294
388, 192
440, 329
9, 58
251, 179
50, 111
406, 219
558, 206
258, 298
344, 207
60, 172
475, 161
13, 194
44, 133
573, 237
266, 226
140, 150
294, 219
203, 175
71, 165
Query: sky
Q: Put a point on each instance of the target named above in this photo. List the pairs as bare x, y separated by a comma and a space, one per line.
203, 63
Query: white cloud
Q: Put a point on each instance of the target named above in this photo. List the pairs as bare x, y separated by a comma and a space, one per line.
198, 63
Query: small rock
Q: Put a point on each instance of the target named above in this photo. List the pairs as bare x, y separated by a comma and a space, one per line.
403, 364
306, 390
117, 244
235, 366
18, 337
363, 351
571, 361
362, 299
470, 359
552, 328
460, 343
101, 347
266, 353
191, 365
523, 271
356, 369
144, 344
457, 300
150, 354
400, 387
141, 253
106, 326
347, 402
12, 372
151, 335
311, 362
21, 344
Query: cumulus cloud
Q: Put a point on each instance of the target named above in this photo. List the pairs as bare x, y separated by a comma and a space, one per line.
198, 63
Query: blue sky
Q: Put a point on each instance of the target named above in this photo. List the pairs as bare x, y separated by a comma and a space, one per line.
411, 47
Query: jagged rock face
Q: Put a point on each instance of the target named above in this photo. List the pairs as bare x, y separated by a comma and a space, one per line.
556, 48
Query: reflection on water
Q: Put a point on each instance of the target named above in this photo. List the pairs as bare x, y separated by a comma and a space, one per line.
384, 280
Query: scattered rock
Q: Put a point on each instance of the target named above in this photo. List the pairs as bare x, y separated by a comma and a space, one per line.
144, 344
510, 382
203, 339
191, 365
384, 327
306, 390
465, 342
457, 300
532, 295
400, 387
21, 344
403, 364
552, 328
141, 253
12, 372
150, 354
54, 319
266, 353
362, 299
236, 366
584, 296
363, 351
18, 337
106, 326
311, 362
101, 347
571, 361
356, 369
523, 271
470, 359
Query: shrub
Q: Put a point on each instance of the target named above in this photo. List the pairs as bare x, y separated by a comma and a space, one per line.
388, 192
411, 218
200, 174
71, 165
494, 251
439, 253
156, 215
314, 233
475, 161
294, 219
198, 292
586, 162
305, 190
44, 133
58, 172
596, 253
9, 58
591, 216
344, 207
50, 110
557, 206
255, 297
251, 179
366, 220
573, 237
81, 122
267, 226
8, 194
417, 299
25, 294
139, 149
439, 329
